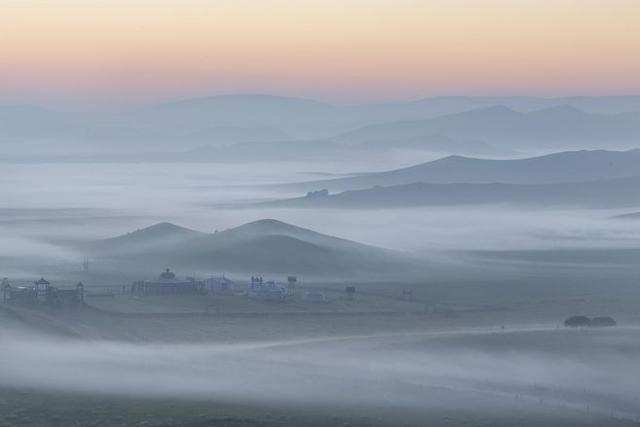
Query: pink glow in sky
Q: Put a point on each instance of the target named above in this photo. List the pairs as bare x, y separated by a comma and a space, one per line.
345, 51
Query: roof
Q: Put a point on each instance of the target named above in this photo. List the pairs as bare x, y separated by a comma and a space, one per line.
168, 275
42, 282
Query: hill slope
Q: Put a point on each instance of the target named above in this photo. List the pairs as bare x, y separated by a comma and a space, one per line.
155, 237
265, 246
569, 166
616, 193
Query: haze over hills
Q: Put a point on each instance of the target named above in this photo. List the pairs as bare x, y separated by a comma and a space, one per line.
18, 122
438, 143
568, 166
559, 126
267, 246
234, 134
441, 105
243, 110
225, 119
217, 120
614, 193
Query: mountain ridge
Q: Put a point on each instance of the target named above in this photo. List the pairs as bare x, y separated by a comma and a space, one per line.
614, 193
564, 166
550, 127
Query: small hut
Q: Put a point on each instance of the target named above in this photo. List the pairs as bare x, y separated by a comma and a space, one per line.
266, 290
351, 292
219, 285
314, 297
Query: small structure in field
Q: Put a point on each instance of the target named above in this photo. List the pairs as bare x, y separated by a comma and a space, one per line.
65, 297
41, 288
18, 295
318, 193
167, 283
291, 285
43, 294
217, 285
314, 296
6, 288
266, 290
21, 295
351, 292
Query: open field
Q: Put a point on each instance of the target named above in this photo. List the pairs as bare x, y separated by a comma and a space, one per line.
32, 408
336, 303
438, 374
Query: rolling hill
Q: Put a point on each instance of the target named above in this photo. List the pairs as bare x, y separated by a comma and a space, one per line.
265, 246
569, 166
156, 237
615, 193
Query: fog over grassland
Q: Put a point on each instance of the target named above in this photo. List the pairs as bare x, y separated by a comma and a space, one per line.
469, 229
414, 373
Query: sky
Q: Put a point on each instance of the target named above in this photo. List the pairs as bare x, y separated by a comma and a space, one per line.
140, 51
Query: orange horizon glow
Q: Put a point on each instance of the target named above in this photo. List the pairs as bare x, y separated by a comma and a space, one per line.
330, 49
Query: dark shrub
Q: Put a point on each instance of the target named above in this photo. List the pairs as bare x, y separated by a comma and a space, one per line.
577, 322
604, 321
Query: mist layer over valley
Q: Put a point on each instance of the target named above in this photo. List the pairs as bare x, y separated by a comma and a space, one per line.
263, 260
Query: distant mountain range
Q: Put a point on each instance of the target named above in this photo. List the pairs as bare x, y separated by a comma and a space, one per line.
217, 120
265, 246
441, 105
448, 124
568, 166
614, 193
498, 125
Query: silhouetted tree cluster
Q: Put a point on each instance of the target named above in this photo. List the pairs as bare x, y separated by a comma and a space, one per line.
584, 321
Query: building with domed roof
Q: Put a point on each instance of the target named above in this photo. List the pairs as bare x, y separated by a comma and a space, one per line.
167, 283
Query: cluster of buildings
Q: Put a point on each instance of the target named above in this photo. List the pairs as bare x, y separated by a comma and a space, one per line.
168, 283
266, 290
41, 292
258, 288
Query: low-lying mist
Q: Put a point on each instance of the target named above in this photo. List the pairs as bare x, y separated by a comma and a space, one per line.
49, 208
584, 370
